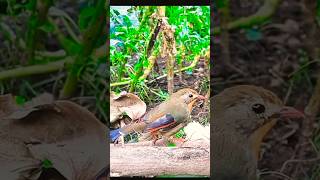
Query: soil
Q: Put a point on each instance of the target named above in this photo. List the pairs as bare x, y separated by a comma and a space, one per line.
279, 62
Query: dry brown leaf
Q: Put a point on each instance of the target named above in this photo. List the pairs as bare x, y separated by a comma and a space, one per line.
7, 105
18, 112
73, 157
126, 103
72, 138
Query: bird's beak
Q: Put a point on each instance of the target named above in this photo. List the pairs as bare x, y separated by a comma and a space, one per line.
200, 97
291, 113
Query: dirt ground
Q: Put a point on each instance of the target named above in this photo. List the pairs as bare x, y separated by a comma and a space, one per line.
277, 61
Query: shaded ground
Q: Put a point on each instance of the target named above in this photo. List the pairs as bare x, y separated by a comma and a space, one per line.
277, 61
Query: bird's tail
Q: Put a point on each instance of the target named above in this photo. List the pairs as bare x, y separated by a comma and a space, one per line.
115, 134
135, 127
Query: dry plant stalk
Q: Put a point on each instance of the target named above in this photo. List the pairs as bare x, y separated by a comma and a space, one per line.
168, 47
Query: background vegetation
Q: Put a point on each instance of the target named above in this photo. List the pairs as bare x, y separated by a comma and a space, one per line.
130, 34
55, 47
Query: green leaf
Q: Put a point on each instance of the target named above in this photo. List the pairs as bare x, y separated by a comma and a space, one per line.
84, 17
253, 34
180, 134
116, 12
222, 3
46, 164
171, 144
20, 100
31, 5
47, 27
127, 21
132, 76
146, 63
33, 21
71, 46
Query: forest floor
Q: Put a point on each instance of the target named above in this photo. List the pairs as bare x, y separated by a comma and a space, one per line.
279, 62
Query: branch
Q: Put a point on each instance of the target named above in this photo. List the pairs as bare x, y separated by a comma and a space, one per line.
192, 65
35, 69
45, 68
264, 13
193, 158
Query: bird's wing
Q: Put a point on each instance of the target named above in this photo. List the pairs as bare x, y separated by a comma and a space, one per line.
162, 122
156, 113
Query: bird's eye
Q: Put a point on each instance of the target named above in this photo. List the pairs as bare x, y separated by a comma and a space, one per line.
191, 95
258, 108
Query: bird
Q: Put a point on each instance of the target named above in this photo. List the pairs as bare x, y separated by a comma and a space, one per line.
242, 116
165, 119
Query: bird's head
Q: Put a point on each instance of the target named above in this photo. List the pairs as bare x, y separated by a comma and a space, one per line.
187, 96
250, 109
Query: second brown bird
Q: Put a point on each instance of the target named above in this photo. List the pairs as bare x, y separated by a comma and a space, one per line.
242, 116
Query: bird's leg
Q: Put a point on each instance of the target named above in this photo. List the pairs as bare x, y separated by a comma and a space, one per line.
122, 124
156, 139
120, 140
170, 135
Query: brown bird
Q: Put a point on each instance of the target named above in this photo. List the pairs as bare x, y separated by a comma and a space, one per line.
242, 116
165, 119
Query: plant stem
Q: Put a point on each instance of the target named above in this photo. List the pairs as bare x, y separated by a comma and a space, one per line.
38, 18
192, 65
43, 68
264, 13
35, 69
90, 37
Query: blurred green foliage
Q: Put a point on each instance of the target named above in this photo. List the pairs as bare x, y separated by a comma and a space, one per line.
131, 30
43, 32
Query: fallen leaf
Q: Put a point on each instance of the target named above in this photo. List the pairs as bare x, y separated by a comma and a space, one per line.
71, 138
7, 105
40, 102
128, 104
